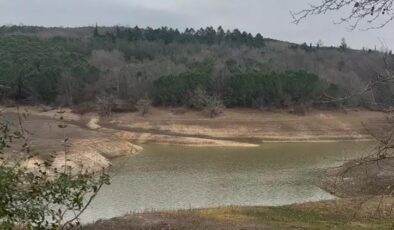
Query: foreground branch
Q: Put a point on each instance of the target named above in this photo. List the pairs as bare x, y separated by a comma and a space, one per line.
374, 13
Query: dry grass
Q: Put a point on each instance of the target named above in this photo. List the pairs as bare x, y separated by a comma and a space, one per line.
340, 214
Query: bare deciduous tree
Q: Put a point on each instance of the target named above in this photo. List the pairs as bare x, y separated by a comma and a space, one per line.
374, 13
144, 105
105, 104
67, 88
373, 174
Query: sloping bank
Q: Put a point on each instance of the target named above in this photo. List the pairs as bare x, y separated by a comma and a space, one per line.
362, 177
62, 138
89, 146
246, 125
93, 141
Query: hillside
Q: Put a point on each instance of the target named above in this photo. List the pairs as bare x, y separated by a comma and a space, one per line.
117, 66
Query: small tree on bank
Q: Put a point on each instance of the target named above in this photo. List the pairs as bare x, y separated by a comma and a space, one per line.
105, 104
144, 105
43, 198
211, 105
214, 107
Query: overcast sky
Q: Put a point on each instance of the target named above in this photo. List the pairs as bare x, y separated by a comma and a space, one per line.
271, 18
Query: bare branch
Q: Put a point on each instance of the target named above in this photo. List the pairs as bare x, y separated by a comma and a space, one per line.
370, 14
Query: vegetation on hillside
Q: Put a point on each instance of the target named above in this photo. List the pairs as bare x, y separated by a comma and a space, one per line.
40, 71
84, 67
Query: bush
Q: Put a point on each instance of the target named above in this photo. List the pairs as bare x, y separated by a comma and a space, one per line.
122, 106
37, 201
144, 105
211, 105
85, 107
44, 198
179, 111
198, 99
214, 107
299, 109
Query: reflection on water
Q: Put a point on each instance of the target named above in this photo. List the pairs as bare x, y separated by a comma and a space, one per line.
173, 177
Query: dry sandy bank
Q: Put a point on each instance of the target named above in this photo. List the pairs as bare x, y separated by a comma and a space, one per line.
249, 125
64, 141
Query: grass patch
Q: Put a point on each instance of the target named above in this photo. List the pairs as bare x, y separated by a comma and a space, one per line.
340, 214
290, 217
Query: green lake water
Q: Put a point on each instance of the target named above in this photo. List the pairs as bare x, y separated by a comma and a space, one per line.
176, 177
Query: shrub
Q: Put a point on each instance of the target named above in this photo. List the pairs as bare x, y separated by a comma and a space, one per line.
105, 104
37, 201
198, 99
214, 107
123, 106
144, 105
42, 198
85, 107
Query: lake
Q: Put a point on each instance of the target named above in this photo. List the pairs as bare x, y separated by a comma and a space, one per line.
177, 177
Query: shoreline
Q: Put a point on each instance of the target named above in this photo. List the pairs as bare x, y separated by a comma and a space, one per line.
97, 142
244, 128
252, 128
350, 213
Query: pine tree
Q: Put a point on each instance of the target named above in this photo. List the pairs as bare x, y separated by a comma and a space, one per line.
95, 32
343, 45
259, 40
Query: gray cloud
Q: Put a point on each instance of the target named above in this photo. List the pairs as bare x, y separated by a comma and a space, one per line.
269, 17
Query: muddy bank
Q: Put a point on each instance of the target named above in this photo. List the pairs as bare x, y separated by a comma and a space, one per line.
60, 141
361, 178
93, 122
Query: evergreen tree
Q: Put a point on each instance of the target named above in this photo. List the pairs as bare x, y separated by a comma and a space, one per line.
117, 32
220, 34
343, 45
259, 40
95, 31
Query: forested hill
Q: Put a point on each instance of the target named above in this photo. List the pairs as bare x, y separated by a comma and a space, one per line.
74, 66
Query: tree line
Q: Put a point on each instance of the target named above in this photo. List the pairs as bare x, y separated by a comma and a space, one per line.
33, 70
116, 67
244, 89
208, 35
